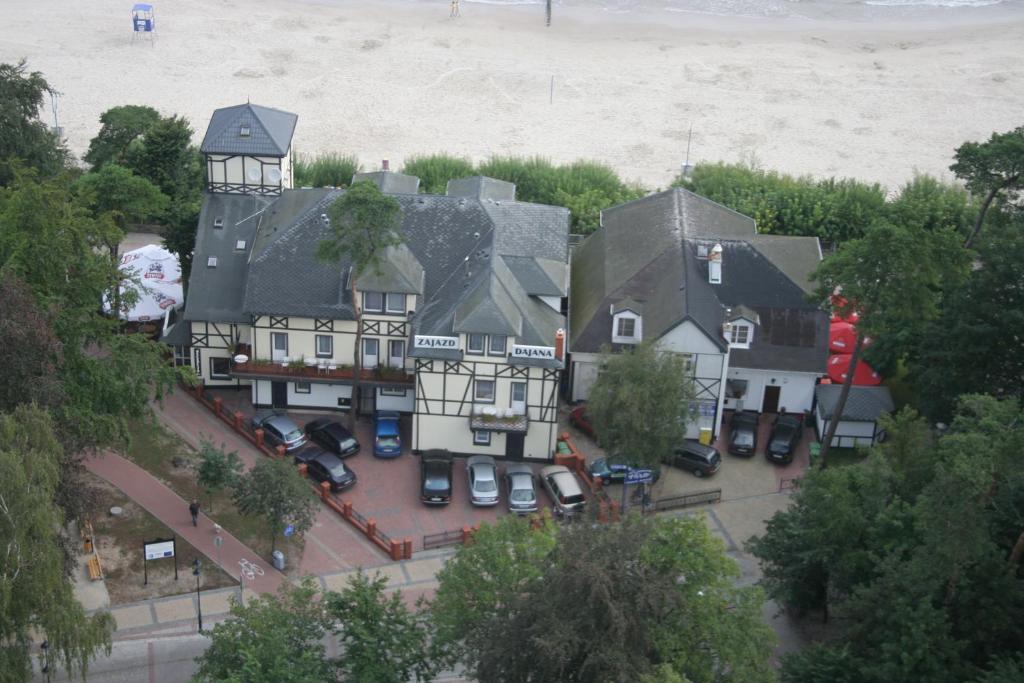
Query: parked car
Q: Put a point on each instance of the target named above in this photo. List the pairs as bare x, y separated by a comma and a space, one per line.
695, 457
436, 477
332, 436
387, 442
743, 434
279, 429
563, 488
329, 467
578, 419
614, 471
522, 496
786, 433
483, 480
309, 452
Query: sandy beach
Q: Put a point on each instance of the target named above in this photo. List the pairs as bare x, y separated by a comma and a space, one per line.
877, 100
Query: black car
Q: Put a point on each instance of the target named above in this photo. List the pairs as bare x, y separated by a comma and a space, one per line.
332, 436
743, 434
786, 433
436, 477
695, 457
309, 452
329, 467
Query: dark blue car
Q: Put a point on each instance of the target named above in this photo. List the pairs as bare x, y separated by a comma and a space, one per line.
387, 443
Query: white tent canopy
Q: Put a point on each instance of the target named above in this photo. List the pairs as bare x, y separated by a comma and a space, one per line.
155, 274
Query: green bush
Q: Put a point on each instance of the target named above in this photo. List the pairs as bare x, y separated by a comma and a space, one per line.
435, 170
834, 210
325, 170
933, 204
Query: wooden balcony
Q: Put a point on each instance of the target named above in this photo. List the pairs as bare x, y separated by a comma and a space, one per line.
320, 372
499, 422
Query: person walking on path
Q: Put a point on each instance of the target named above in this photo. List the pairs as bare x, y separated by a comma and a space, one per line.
193, 509
455, 8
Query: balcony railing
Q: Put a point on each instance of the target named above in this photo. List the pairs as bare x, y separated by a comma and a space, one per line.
495, 420
323, 371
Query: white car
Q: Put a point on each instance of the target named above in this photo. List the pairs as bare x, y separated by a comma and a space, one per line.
522, 497
483, 480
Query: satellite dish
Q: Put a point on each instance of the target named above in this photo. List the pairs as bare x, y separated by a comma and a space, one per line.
253, 174
273, 175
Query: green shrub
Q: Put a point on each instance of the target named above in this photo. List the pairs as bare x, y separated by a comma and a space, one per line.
435, 170
325, 170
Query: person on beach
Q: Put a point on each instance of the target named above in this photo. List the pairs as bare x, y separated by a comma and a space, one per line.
193, 509
455, 8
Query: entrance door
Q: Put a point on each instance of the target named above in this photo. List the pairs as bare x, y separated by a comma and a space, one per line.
518, 401
279, 394
371, 348
514, 446
279, 345
771, 399
396, 353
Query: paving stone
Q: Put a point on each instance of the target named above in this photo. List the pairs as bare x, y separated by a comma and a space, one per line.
175, 610
132, 616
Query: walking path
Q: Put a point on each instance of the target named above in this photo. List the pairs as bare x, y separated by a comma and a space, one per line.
172, 510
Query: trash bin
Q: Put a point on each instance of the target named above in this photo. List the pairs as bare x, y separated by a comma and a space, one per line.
278, 557
815, 452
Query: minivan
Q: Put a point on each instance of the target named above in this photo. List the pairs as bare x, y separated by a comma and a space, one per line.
563, 488
695, 457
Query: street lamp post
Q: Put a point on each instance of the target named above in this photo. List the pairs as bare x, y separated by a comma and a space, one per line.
196, 567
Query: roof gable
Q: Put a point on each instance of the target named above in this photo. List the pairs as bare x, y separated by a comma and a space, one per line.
269, 131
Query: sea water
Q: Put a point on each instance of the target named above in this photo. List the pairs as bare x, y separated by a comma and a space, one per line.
813, 9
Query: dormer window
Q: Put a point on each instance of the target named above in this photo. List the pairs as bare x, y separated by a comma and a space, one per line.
396, 303
626, 327
740, 335
243, 131
373, 302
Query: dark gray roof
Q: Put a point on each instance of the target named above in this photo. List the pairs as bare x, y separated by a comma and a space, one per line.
797, 257
460, 244
270, 131
218, 293
648, 251
390, 182
532, 277
481, 187
863, 404
399, 271
177, 334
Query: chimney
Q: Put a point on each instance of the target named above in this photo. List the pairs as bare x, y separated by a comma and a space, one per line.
560, 344
385, 166
715, 265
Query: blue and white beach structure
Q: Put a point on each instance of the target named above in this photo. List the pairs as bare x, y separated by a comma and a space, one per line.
143, 21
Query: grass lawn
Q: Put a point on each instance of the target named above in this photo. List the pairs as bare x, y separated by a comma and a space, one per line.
119, 542
170, 459
846, 456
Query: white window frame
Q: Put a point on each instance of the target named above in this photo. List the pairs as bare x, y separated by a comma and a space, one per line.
512, 403
469, 343
376, 354
491, 350
221, 375
388, 308
481, 438
394, 392
303, 388
329, 353
366, 302
748, 335
277, 354
619, 320
396, 361
477, 384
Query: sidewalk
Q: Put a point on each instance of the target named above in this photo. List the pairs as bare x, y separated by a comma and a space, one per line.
169, 508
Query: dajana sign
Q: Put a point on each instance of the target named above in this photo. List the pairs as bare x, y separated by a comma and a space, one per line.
423, 341
539, 352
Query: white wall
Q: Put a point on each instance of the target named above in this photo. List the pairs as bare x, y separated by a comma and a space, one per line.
403, 404
848, 433
796, 393
323, 396
584, 374
688, 338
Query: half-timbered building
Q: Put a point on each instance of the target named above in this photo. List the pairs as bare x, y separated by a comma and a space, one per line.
699, 280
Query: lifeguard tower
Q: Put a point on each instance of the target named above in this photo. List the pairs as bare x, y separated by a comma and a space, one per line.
143, 22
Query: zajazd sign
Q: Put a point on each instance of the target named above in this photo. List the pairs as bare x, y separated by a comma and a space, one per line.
423, 341
539, 352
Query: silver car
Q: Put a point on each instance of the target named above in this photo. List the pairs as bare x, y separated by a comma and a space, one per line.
564, 490
522, 496
279, 429
483, 480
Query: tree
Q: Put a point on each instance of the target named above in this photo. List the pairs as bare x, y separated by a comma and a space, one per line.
36, 597
365, 223
382, 639
892, 277
34, 353
165, 154
121, 127
22, 135
990, 169
217, 469
435, 170
115, 192
984, 320
274, 490
931, 204
640, 403
606, 603
270, 639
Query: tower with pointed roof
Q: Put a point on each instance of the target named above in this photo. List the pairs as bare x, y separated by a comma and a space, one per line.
248, 149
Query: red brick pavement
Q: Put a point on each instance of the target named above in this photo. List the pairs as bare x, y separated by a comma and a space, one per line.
172, 510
